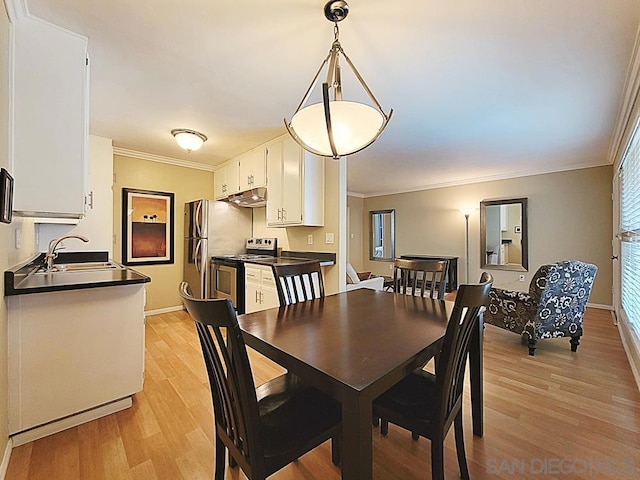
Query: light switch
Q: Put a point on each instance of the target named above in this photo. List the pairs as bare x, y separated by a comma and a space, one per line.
329, 238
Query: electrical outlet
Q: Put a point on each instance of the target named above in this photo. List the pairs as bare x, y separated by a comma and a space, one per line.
391, 266
521, 278
329, 238
18, 239
310, 239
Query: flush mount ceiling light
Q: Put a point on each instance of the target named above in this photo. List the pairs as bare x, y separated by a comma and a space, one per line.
337, 127
190, 140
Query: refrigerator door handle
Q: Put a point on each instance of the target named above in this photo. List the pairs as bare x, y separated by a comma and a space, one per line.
198, 257
198, 220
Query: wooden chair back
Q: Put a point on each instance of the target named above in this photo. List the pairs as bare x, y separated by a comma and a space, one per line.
417, 277
235, 405
469, 304
298, 282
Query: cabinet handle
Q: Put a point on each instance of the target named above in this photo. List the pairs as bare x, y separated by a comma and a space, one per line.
279, 217
257, 301
261, 298
88, 200
284, 215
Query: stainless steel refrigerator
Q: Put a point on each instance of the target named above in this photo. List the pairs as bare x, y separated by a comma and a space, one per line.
211, 228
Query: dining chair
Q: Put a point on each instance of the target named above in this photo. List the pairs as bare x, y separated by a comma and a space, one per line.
298, 282
264, 428
420, 277
427, 404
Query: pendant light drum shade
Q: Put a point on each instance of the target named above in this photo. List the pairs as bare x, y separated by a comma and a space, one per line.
354, 126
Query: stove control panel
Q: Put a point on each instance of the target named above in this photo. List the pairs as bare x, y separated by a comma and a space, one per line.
268, 244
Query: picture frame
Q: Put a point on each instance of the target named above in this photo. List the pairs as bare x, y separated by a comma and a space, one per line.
6, 196
148, 224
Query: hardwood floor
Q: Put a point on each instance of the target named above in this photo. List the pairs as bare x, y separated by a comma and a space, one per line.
555, 415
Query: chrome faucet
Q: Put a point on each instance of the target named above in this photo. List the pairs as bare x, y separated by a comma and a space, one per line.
53, 244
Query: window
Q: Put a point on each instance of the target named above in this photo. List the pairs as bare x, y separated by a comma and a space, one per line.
629, 233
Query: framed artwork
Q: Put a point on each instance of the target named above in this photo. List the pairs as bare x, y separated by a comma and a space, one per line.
147, 227
6, 196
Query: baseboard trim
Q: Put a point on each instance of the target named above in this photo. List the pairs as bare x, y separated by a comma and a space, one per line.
70, 421
631, 347
5, 459
600, 306
159, 311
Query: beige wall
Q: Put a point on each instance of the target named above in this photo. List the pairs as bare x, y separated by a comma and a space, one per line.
187, 184
5, 230
570, 217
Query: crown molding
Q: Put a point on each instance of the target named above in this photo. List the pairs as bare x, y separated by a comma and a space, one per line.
491, 178
628, 103
160, 159
16, 9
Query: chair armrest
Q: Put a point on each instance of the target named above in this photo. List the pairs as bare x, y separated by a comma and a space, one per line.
364, 275
374, 283
509, 309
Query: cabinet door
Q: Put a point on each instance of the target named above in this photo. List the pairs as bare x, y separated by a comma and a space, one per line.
219, 186
274, 184
269, 291
253, 169
232, 177
292, 182
50, 105
252, 288
252, 298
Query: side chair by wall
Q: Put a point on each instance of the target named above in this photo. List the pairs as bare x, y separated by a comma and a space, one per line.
554, 307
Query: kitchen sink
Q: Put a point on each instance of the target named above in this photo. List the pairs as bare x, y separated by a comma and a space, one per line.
80, 267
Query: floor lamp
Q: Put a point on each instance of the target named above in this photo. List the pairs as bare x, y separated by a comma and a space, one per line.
466, 212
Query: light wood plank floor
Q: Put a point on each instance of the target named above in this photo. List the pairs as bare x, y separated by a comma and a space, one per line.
555, 415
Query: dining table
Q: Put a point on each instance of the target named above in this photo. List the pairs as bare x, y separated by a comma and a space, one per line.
355, 345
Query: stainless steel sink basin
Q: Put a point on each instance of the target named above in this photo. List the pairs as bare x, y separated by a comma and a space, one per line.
81, 267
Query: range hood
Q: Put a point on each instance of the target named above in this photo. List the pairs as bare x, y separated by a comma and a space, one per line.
256, 197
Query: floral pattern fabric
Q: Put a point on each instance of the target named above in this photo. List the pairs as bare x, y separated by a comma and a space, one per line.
554, 306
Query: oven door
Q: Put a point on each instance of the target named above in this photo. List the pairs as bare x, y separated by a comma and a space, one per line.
224, 282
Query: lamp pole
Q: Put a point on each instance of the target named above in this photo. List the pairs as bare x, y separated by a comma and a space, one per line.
467, 212
466, 220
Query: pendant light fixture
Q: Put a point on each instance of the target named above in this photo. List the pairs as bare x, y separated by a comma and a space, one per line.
190, 140
336, 127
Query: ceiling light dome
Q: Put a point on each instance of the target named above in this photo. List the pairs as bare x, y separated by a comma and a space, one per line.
190, 140
333, 128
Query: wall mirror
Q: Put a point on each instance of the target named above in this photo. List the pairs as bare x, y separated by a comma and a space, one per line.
382, 235
503, 234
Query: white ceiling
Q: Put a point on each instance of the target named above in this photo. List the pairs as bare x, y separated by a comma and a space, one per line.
480, 89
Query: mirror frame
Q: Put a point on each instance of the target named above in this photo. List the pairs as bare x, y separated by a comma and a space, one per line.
393, 235
524, 267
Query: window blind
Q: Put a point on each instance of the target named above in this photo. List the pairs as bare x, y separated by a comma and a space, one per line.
629, 233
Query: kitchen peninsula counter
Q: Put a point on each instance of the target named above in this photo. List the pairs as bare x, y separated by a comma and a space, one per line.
25, 278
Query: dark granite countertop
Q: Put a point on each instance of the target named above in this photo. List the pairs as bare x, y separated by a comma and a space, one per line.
25, 279
292, 258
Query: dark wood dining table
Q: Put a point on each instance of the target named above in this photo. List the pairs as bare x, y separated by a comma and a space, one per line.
354, 346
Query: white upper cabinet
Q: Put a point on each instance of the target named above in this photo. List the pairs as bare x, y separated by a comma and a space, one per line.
226, 180
253, 169
50, 117
295, 185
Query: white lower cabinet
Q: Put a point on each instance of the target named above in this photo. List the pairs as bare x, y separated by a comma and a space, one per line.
260, 288
70, 352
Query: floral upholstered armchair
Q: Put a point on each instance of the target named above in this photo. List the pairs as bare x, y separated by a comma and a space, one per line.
554, 306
